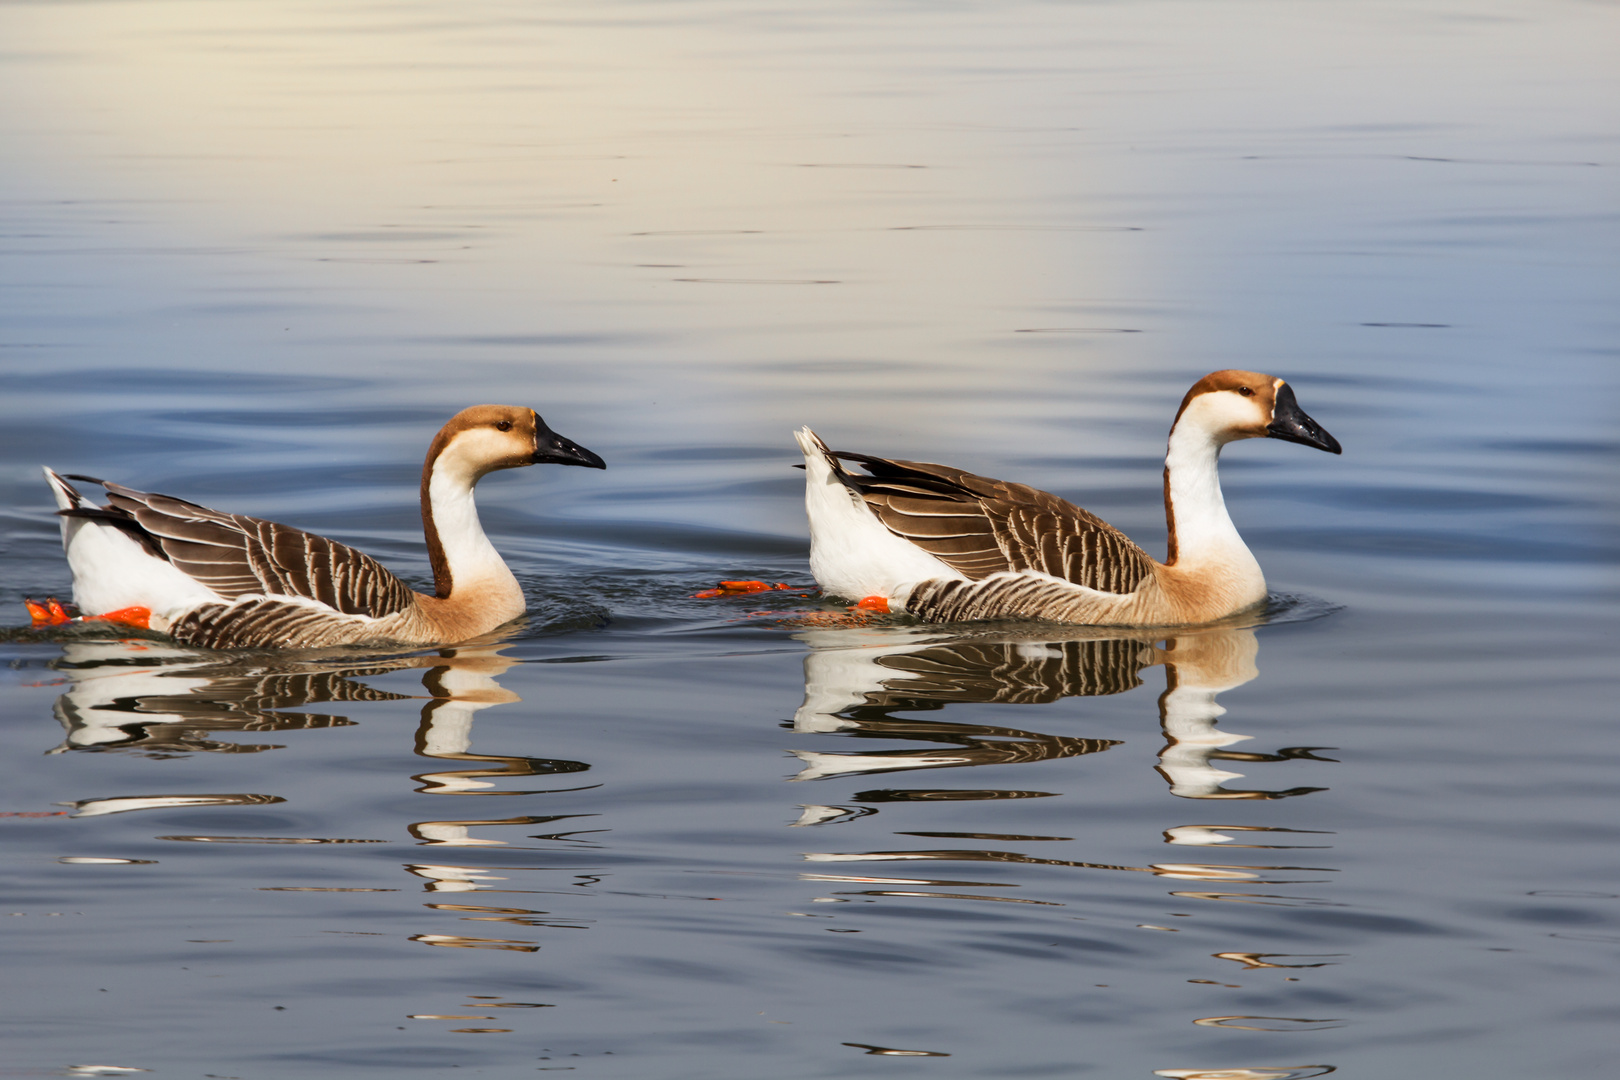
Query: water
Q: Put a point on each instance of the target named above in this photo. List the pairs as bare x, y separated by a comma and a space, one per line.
254, 254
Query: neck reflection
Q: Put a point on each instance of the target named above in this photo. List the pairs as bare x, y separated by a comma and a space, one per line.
461, 684
1198, 668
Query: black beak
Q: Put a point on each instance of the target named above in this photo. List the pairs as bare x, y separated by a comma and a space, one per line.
551, 448
1288, 421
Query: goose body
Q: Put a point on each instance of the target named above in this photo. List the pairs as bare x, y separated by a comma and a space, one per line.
947, 546
221, 580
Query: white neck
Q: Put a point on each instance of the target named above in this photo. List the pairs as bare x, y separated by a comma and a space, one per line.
1203, 531
473, 562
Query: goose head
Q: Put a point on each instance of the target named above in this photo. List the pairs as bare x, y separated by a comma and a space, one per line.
1225, 406
481, 439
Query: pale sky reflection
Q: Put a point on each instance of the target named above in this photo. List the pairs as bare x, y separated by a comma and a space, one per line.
497, 170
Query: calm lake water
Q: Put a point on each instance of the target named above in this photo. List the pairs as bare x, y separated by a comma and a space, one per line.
255, 253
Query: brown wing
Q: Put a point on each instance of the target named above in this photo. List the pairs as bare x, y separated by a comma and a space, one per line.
237, 556
981, 526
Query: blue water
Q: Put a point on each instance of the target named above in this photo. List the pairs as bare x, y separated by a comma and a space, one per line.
253, 255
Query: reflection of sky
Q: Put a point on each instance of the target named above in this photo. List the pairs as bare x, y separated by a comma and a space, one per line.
543, 161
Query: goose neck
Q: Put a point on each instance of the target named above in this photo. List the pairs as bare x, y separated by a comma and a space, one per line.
463, 558
1200, 529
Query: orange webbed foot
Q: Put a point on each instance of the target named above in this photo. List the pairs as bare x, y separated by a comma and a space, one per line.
135, 616
879, 604
50, 613
737, 588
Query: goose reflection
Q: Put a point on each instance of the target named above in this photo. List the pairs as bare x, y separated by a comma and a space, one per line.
854, 685
161, 702
167, 702
856, 680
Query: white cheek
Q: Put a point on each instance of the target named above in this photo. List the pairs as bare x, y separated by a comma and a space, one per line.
1226, 413
476, 451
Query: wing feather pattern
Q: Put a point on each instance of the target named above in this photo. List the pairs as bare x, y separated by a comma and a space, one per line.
236, 556
981, 526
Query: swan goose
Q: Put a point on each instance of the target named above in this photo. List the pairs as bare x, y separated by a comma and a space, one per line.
226, 581
946, 546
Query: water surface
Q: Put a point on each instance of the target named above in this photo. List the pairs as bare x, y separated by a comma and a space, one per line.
254, 254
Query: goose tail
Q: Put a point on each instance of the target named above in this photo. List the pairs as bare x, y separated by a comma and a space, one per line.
818, 455
824, 476
68, 497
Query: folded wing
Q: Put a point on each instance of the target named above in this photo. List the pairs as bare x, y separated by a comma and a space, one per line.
237, 556
981, 526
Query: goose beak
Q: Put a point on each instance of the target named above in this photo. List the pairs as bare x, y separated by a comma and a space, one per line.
1289, 422
551, 448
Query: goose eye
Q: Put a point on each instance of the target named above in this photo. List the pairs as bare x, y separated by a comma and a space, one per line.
503, 425
1244, 390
